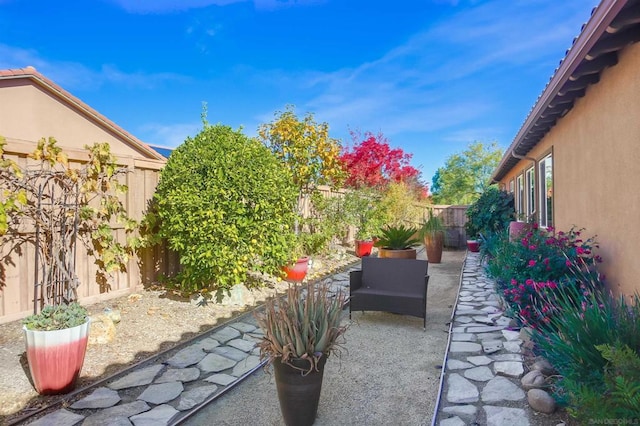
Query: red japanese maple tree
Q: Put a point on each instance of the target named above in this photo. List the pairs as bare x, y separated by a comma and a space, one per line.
371, 162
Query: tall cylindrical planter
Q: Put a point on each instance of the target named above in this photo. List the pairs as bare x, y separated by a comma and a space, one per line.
434, 243
55, 357
299, 392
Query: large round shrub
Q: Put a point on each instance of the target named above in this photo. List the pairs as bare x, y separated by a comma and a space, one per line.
226, 205
490, 214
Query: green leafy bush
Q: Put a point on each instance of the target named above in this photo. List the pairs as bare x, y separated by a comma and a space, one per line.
57, 317
365, 211
226, 206
490, 214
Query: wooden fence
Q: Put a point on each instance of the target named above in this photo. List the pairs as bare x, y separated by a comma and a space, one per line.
17, 285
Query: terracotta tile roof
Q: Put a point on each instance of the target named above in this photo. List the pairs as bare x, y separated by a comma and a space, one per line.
614, 24
32, 74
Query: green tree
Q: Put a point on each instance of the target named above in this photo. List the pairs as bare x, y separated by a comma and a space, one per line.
226, 205
466, 175
305, 147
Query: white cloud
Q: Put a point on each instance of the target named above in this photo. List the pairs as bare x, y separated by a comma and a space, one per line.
74, 76
172, 6
169, 135
445, 77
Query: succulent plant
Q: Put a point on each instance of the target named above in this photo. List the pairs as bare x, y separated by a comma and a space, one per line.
57, 317
398, 237
303, 324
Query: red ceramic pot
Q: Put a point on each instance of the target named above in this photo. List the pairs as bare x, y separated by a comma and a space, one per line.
473, 246
364, 247
297, 271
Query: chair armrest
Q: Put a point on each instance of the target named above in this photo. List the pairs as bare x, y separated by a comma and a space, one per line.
355, 280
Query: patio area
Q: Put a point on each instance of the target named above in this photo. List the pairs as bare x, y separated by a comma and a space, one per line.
389, 371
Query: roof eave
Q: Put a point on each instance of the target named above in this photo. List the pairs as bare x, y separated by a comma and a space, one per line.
601, 17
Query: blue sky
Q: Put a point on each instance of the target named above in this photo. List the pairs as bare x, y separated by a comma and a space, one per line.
432, 75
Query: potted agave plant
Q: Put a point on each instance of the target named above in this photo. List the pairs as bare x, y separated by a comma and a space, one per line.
301, 330
397, 242
56, 342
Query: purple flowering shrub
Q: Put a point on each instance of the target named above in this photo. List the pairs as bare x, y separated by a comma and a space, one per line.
530, 271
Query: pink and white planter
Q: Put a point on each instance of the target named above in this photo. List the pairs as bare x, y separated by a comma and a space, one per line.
55, 357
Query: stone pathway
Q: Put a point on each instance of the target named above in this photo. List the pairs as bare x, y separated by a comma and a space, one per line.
481, 384
165, 390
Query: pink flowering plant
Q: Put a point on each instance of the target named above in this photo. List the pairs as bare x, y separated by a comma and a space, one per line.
530, 271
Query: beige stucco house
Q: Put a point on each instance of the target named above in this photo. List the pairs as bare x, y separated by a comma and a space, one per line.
576, 158
32, 107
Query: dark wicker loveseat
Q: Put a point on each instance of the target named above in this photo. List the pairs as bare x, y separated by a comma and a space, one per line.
390, 285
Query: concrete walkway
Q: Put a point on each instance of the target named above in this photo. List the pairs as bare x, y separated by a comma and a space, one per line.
389, 372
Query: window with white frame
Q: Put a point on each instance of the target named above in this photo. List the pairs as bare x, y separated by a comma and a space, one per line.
530, 176
520, 196
511, 186
545, 171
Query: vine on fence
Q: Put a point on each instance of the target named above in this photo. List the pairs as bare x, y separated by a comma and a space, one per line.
50, 205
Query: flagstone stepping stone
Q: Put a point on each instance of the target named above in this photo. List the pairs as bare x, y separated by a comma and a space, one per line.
116, 414
221, 379
245, 365
186, 357
243, 327
140, 377
509, 368
225, 334
491, 346
511, 335
454, 364
463, 337
461, 410
161, 393
179, 375
231, 353
453, 421
243, 345
59, 418
193, 397
507, 357
463, 320
513, 347
483, 320
479, 360
484, 329
214, 363
500, 416
99, 398
464, 347
479, 374
461, 390
501, 389
160, 415
207, 344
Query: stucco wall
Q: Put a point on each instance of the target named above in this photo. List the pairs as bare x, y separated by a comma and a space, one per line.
28, 113
596, 155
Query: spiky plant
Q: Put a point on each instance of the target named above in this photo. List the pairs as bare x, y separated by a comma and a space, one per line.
303, 324
398, 237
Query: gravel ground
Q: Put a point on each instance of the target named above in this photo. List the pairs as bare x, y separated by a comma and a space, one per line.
387, 374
